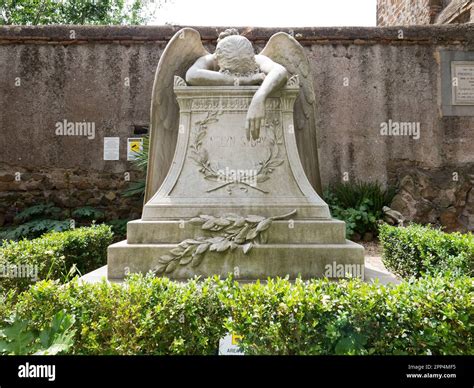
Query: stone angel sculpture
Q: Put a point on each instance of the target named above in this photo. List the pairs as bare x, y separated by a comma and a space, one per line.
234, 62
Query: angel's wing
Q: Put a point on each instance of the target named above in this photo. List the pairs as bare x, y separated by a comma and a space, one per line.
184, 48
285, 50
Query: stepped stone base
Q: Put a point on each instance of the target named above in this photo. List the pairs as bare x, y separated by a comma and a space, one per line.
317, 249
282, 232
212, 155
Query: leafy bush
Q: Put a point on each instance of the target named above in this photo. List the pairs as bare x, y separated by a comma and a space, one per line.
358, 220
427, 316
42, 218
40, 210
33, 229
18, 339
353, 194
359, 204
55, 255
88, 213
35, 221
28, 12
147, 315
119, 228
417, 250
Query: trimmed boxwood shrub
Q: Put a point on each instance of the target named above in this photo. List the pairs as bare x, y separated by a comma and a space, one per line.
54, 254
147, 315
416, 250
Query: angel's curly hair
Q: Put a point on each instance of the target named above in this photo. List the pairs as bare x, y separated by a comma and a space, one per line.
228, 32
235, 53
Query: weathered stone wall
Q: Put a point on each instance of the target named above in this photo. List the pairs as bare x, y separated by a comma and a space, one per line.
363, 77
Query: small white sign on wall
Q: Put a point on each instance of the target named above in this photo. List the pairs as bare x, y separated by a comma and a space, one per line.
229, 345
111, 148
134, 145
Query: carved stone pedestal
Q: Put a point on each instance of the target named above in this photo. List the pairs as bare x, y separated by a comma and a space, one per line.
230, 204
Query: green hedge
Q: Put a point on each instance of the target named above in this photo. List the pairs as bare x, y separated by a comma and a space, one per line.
54, 254
417, 250
431, 315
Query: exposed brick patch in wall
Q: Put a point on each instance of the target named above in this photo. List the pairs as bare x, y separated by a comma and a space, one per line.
68, 189
403, 12
423, 12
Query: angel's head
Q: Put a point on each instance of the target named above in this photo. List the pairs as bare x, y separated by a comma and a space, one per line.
235, 54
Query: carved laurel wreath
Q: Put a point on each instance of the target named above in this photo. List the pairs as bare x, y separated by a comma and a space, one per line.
201, 156
231, 232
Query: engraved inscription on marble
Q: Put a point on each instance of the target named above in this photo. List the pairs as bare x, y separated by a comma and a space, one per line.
217, 143
463, 82
230, 103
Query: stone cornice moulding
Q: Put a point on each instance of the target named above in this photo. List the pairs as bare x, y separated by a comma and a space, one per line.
127, 35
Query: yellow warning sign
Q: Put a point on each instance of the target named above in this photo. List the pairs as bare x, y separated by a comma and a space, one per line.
134, 145
236, 339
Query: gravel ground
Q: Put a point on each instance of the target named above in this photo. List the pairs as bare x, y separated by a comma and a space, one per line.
372, 248
374, 264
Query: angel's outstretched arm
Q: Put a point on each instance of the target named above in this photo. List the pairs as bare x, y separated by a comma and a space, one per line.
276, 77
202, 73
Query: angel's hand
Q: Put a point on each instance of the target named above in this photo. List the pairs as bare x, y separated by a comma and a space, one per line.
255, 116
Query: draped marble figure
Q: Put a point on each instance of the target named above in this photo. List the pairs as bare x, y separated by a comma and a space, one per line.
233, 174
234, 62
